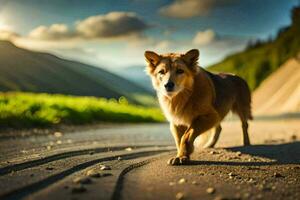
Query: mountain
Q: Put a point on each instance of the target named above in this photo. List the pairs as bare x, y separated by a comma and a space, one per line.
24, 70
280, 92
260, 59
137, 75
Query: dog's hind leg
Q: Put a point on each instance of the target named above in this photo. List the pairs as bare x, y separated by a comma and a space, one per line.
214, 138
244, 121
246, 139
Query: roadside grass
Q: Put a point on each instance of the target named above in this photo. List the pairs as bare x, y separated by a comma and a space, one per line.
25, 110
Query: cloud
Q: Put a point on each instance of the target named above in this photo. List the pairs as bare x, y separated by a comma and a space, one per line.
204, 37
184, 9
8, 35
53, 32
113, 24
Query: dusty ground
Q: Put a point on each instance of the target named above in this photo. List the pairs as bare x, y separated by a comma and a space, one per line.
129, 162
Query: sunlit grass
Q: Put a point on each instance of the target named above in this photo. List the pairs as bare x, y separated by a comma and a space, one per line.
30, 110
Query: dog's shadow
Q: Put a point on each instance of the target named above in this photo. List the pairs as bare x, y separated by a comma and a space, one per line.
287, 153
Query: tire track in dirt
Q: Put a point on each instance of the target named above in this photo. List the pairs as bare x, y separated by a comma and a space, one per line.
22, 192
59, 156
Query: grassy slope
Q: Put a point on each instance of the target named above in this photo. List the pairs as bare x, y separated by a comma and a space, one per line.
24, 70
257, 63
31, 110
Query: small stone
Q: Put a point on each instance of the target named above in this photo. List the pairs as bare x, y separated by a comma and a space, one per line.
171, 183
210, 190
212, 152
119, 158
93, 173
49, 147
128, 149
58, 142
49, 168
179, 196
57, 134
238, 153
78, 189
195, 183
82, 180
105, 167
182, 180
231, 174
201, 174
277, 175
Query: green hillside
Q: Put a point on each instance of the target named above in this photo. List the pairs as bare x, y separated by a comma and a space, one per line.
24, 110
261, 59
24, 70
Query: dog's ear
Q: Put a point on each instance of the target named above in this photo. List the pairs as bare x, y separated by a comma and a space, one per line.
191, 57
152, 58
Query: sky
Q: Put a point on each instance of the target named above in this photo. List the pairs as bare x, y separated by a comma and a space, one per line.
115, 34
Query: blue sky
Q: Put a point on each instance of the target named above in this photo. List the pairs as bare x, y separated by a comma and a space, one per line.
216, 27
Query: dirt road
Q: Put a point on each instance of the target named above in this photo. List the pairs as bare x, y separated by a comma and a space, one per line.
129, 162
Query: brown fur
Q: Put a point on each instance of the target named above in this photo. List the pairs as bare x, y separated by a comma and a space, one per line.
199, 100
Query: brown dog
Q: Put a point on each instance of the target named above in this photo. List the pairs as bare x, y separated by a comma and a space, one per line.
195, 100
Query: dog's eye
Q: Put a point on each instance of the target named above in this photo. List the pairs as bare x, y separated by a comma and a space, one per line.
179, 71
161, 72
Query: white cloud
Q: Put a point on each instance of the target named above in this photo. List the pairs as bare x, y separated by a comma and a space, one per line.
8, 35
53, 32
204, 37
113, 24
191, 8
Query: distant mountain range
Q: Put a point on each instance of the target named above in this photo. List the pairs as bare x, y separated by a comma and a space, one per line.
136, 74
24, 70
262, 58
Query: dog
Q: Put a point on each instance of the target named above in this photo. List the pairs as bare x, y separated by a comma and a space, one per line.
194, 100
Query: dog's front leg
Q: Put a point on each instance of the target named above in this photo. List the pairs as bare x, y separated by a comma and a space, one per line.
177, 132
198, 126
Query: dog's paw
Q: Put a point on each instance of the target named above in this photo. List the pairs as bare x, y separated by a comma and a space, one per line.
178, 160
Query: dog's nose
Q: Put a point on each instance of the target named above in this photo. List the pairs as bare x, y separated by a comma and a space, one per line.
169, 86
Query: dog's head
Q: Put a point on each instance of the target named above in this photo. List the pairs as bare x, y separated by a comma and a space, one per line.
172, 73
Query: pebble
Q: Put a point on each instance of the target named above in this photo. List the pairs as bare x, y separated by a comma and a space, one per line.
82, 180
195, 183
78, 189
277, 175
93, 173
128, 149
119, 158
182, 180
238, 153
171, 183
105, 167
49, 168
179, 196
231, 174
58, 134
210, 190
